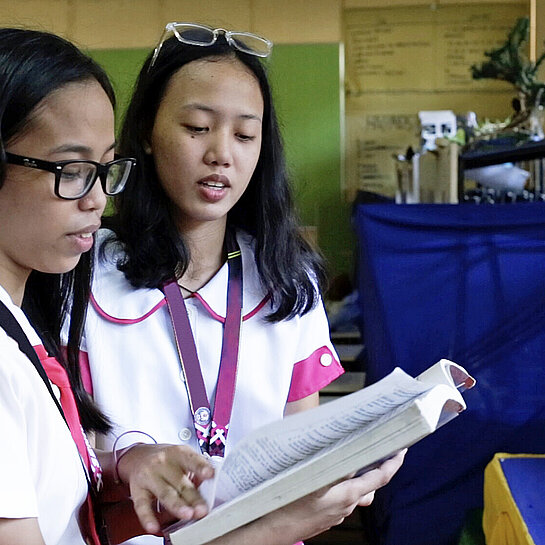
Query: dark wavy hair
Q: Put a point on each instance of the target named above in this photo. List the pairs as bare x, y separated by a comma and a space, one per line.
34, 64
290, 270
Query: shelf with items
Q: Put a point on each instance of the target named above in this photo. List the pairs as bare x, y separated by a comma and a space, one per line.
497, 152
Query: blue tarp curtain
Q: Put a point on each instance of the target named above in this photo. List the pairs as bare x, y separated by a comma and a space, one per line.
466, 283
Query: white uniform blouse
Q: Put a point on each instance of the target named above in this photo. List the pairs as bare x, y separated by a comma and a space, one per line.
135, 368
41, 473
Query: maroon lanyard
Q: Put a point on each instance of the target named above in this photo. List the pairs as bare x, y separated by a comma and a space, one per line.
211, 431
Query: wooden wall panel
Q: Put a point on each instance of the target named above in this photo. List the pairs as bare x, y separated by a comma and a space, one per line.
51, 15
235, 14
127, 23
400, 61
109, 24
288, 21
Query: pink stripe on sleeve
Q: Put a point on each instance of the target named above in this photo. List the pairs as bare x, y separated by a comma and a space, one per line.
314, 373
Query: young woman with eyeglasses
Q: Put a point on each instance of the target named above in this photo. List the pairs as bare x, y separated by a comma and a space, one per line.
206, 319
56, 166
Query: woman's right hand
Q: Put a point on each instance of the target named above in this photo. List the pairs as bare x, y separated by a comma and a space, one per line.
317, 512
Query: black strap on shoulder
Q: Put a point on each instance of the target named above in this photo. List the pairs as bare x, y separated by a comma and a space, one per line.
12, 327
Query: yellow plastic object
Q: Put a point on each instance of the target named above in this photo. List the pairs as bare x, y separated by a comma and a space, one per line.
502, 522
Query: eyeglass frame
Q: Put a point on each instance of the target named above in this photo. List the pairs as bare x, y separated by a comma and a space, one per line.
171, 27
56, 168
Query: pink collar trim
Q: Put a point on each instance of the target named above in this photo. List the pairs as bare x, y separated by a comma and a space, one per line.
221, 319
125, 321
207, 307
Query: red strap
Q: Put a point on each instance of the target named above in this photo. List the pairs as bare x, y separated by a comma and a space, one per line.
58, 376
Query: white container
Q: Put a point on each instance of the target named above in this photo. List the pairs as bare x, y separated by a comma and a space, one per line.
504, 177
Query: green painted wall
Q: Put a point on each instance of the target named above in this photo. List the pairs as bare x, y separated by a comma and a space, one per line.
122, 66
305, 81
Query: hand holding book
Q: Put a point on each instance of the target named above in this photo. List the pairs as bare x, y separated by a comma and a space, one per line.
314, 513
291, 458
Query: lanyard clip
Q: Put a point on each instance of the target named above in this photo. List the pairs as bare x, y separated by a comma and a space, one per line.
202, 416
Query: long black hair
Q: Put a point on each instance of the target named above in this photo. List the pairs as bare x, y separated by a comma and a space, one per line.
290, 270
34, 64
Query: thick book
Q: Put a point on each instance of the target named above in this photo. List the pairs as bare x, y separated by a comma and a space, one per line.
288, 459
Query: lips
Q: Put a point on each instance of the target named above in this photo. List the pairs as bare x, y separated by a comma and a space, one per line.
82, 240
215, 181
213, 188
85, 232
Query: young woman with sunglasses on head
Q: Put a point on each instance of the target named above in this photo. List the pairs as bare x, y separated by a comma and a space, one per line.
56, 165
206, 234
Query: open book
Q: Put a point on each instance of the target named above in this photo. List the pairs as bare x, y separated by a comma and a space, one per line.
288, 459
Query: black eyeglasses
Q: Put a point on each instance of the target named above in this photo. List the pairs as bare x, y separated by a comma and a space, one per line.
74, 179
202, 35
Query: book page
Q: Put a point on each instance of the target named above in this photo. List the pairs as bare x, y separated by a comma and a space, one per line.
449, 373
285, 443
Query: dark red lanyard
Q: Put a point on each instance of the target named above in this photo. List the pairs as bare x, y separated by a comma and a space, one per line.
211, 429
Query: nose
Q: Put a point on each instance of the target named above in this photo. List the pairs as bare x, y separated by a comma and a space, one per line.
219, 151
95, 199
